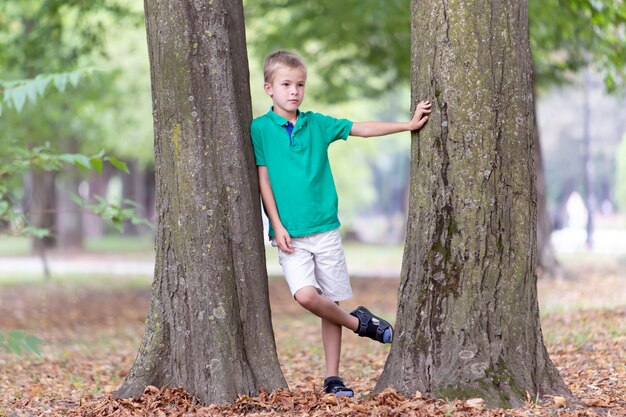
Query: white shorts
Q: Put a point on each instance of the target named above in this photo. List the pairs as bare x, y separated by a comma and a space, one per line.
318, 261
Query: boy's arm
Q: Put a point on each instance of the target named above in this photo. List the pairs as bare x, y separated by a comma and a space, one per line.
282, 236
369, 129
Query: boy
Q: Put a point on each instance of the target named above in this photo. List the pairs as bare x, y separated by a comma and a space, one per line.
300, 200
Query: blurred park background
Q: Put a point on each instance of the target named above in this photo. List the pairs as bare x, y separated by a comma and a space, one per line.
77, 188
102, 107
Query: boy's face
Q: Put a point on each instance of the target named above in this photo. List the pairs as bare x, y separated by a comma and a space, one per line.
287, 90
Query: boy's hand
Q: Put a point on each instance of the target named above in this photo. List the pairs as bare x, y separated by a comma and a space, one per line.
421, 115
283, 240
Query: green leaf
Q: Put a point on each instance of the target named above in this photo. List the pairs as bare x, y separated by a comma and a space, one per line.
74, 77
81, 161
60, 81
4, 207
96, 163
18, 342
118, 223
40, 83
31, 91
18, 96
33, 343
118, 164
15, 342
76, 199
37, 232
131, 203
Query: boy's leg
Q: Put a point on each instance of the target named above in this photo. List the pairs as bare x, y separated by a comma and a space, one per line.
331, 338
325, 308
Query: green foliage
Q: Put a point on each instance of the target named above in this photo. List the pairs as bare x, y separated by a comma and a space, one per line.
358, 47
620, 180
116, 213
112, 111
18, 342
567, 35
15, 93
38, 36
363, 46
47, 37
16, 161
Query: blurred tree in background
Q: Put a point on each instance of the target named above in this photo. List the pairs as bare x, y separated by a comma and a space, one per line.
55, 36
362, 47
359, 57
621, 175
359, 47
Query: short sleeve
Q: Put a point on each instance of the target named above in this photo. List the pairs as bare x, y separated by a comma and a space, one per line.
336, 128
257, 143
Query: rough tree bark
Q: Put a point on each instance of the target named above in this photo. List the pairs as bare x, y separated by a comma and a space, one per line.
468, 319
208, 327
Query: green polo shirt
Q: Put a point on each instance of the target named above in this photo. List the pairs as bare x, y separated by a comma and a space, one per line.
299, 170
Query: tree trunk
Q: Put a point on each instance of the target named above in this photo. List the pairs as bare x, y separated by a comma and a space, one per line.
587, 162
547, 263
133, 188
41, 207
98, 183
468, 320
150, 202
69, 218
208, 327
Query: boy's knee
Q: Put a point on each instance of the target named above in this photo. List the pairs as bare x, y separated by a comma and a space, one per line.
307, 297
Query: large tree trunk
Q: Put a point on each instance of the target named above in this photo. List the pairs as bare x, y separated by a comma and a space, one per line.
468, 319
208, 327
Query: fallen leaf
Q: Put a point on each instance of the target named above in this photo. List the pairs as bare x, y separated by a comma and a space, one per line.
477, 403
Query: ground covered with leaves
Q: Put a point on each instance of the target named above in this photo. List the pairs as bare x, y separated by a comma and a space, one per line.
91, 333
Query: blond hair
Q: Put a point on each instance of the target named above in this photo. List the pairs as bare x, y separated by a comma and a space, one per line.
279, 59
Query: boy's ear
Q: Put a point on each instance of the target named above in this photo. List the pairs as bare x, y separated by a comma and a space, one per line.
268, 89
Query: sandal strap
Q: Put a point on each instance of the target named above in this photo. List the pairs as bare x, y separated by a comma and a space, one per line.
335, 385
364, 317
370, 325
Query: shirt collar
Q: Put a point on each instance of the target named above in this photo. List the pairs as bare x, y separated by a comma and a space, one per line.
281, 121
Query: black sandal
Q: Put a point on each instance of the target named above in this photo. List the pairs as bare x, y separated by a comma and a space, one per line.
335, 385
372, 326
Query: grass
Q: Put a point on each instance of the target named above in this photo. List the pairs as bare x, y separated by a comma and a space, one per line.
13, 246
75, 280
582, 327
20, 246
359, 255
